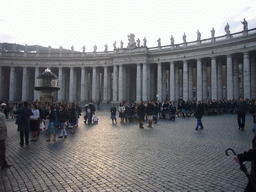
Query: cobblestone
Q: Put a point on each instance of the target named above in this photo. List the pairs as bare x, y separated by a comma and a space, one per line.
105, 157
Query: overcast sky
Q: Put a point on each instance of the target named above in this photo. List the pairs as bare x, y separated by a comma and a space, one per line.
100, 22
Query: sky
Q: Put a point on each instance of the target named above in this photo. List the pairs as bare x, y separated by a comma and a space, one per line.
99, 22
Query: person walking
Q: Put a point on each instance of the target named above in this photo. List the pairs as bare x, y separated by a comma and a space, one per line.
88, 114
241, 112
141, 113
3, 136
249, 156
199, 112
62, 118
113, 114
24, 114
150, 112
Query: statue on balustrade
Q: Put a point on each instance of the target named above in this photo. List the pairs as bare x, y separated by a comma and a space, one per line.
198, 35
184, 38
122, 44
84, 49
227, 29
114, 45
132, 43
138, 42
145, 42
26, 48
95, 49
172, 41
37, 49
14, 48
61, 48
244, 22
49, 49
72, 48
213, 32
159, 42
106, 48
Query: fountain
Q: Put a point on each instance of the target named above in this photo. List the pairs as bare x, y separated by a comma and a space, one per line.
47, 84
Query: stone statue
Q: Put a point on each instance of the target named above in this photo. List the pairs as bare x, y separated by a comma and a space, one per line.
198, 35
95, 49
172, 41
213, 32
122, 44
114, 45
132, 43
37, 49
184, 38
145, 42
245, 25
138, 42
14, 48
227, 29
159, 42
84, 48
49, 49
60, 48
26, 48
72, 47
106, 48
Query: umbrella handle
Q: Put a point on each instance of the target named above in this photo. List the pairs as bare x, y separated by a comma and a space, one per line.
229, 149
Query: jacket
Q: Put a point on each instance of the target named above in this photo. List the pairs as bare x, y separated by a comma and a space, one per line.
3, 127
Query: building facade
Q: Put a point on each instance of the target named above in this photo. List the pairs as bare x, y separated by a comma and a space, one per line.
215, 68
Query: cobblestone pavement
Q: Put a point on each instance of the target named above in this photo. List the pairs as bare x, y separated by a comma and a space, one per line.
104, 157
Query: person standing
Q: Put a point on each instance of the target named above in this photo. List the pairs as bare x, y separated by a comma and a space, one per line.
150, 112
34, 125
53, 121
73, 118
113, 114
199, 112
249, 156
121, 112
62, 117
24, 123
3, 136
141, 113
241, 112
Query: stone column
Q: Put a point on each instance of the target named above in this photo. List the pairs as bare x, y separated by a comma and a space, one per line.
172, 82
236, 79
120, 90
94, 83
144, 83
36, 93
71, 85
159, 82
190, 82
138, 87
148, 79
199, 83
86, 85
220, 86
82, 96
177, 88
185, 81
24, 84
115, 83
1, 82
12, 85
205, 86
213, 79
230, 89
246, 76
105, 84
253, 77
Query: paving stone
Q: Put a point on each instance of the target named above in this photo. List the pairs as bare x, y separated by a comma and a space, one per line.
104, 157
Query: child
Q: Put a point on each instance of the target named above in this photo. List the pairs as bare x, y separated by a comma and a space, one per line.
95, 120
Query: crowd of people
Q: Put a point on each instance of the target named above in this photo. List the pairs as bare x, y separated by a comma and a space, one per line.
169, 110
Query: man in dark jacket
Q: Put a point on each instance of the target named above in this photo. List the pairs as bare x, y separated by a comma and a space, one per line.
199, 114
241, 112
249, 156
24, 124
141, 113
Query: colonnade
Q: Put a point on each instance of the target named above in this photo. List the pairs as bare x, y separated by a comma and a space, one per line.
216, 77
